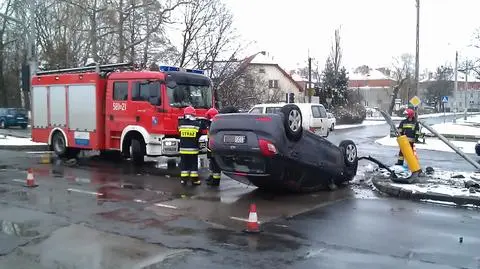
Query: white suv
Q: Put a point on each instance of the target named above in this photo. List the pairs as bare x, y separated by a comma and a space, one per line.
314, 116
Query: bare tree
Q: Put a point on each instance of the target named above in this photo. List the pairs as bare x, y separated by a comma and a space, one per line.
336, 52
403, 70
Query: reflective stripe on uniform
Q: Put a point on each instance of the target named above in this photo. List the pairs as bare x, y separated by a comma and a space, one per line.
188, 151
193, 174
188, 127
184, 173
410, 139
408, 126
400, 158
216, 175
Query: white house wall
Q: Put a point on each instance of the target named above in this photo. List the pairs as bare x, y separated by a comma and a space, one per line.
285, 85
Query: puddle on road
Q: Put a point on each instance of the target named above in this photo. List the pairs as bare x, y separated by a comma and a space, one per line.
80, 247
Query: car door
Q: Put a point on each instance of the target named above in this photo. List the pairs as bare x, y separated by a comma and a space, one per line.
324, 120
316, 121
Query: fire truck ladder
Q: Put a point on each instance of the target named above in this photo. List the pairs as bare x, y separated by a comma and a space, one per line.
97, 68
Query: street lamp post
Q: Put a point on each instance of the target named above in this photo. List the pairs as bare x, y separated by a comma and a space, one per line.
417, 51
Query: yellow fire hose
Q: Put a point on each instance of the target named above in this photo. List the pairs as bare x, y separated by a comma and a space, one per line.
408, 155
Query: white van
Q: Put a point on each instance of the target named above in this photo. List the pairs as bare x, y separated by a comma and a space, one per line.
314, 116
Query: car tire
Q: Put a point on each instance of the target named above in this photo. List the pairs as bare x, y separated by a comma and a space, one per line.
477, 149
292, 121
350, 159
137, 152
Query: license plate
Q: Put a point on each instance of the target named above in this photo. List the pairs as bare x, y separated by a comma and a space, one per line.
234, 139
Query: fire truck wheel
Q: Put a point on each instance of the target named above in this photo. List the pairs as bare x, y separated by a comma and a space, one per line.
59, 145
137, 151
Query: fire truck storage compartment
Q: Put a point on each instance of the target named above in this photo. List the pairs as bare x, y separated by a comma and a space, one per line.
39, 107
82, 108
58, 106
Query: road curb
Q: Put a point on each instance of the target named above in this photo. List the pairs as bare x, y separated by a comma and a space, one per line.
25, 147
385, 186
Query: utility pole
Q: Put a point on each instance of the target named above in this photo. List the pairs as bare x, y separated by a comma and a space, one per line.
455, 88
309, 79
466, 88
417, 51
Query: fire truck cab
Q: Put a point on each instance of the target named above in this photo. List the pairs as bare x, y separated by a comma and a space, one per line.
105, 108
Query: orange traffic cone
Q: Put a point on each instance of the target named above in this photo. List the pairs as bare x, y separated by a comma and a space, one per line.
31, 179
252, 224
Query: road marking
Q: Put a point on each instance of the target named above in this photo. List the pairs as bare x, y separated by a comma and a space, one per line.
19, 180
38, 152
166, 206
139, 201
83, 191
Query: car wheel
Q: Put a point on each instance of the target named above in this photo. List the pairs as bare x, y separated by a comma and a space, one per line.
137, 152
59, 144
333, 127
292, 121
477, 149
349, 150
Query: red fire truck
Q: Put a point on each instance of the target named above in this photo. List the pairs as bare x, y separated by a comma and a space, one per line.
115, 107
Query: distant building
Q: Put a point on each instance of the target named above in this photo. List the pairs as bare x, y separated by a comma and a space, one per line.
375, 87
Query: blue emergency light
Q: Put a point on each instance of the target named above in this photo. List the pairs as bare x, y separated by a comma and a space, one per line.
166, 68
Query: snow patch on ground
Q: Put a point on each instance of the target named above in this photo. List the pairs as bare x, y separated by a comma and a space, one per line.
451, 183
364, 123
424, 116
431, 144
6, 140
459, 129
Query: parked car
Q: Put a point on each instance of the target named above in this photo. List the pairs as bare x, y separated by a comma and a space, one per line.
315, 117
13, 117
332, 121
273, 151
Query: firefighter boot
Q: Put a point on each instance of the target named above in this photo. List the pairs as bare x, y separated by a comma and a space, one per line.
183, 177
214, 180
194, 178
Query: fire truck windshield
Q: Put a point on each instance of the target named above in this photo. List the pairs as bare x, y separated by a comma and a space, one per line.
198, 96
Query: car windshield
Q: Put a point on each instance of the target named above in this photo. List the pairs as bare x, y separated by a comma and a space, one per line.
190, 95
14, 111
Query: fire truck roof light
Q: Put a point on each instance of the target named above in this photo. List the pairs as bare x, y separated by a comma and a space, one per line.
166, 68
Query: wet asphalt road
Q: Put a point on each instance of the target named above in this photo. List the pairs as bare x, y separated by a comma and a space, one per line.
109, 214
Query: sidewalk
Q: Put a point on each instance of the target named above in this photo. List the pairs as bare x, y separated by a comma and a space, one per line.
454, 188
18, 143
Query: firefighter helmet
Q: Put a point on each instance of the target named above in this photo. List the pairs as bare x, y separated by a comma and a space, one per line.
410, 113
211, 113
189, 110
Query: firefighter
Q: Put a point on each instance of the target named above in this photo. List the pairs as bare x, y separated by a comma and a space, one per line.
410, 128
189, 128
215, 172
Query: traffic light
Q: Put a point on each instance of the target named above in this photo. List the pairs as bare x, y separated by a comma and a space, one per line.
291, 97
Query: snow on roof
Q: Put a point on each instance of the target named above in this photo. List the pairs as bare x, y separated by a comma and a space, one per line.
373, 74
297, 77
263, 59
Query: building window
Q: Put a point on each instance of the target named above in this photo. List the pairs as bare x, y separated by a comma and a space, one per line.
120, 91
261, 70
249, 83
273, 84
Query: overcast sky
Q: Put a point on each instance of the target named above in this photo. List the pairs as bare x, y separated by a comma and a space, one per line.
372, 31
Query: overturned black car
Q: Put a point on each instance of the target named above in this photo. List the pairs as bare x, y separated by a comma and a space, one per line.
274, 152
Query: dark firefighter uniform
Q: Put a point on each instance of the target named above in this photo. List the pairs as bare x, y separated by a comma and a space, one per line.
189, 129
411, 129
215, 172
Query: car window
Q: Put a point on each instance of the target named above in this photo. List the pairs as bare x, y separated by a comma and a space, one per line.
257, 110
148, 92
316, 112
273, 109
120, 91
323, 111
